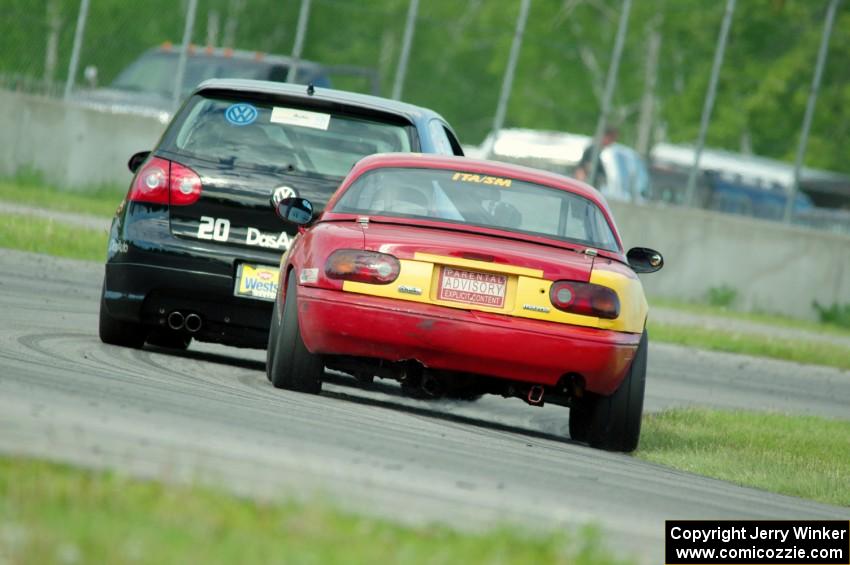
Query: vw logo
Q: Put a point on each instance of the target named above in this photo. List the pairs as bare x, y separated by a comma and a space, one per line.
280, 193
240, 114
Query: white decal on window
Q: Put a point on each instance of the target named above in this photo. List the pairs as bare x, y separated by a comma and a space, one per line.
301, 118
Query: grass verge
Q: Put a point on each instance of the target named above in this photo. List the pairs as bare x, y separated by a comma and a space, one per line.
39, 235
812, 352
776, 320
802, 456
100, 202
52, 513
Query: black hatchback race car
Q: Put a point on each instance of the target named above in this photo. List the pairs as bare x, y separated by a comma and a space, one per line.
195, 245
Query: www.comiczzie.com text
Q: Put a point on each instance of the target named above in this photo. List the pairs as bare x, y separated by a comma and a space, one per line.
696, 542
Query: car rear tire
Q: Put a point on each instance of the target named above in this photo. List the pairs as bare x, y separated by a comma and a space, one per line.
290, 365
119, 332
271, 348
580, 420
613, 422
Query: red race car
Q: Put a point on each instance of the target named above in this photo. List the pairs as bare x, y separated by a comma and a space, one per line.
461, 278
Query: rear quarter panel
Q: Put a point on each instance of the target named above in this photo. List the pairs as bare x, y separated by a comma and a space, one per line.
633, 306
312, 248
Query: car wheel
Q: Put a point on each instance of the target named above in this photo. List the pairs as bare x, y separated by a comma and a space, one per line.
170, 340
293, 367
579, 420
118, 332
271, 349
613, 422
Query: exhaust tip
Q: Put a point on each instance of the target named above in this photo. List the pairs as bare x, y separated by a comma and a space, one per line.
193, 323
535, 395
176, 320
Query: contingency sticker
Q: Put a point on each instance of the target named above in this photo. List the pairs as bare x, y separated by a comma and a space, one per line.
257, 281
481, 179
240, 114
303, 118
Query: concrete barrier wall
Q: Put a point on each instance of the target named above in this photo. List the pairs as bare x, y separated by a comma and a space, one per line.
72, 147
773, 267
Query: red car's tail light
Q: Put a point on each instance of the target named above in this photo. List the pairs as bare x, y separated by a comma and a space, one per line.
362, 266
163, 182
586, 299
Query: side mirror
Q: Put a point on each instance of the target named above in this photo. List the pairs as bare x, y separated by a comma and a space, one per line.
644, 260
295, 210
136, 160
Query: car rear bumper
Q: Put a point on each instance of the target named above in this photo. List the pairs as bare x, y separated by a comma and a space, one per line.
341, 323
150, 273
147, 293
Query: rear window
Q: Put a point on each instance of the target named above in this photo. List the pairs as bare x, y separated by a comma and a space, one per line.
479, 200
243, 133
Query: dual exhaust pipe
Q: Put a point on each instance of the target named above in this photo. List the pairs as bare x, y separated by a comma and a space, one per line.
190, 322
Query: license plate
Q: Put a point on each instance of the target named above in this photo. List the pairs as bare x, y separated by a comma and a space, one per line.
471, 287
256, 281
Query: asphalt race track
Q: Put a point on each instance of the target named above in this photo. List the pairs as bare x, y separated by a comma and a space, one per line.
210, 414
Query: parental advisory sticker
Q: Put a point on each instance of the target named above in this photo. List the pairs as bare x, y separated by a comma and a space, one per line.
768, 542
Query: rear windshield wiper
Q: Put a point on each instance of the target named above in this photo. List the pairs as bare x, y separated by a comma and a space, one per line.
287, 168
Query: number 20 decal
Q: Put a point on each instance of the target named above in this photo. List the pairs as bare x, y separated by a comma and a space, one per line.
215, 229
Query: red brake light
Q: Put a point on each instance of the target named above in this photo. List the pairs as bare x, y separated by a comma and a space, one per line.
586, 299
151, 182
362, 266
163, 182
185, 185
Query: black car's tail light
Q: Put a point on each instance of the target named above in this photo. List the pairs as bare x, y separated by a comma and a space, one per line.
362, 266
587, 299
151, 182
164, 182
184, 185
